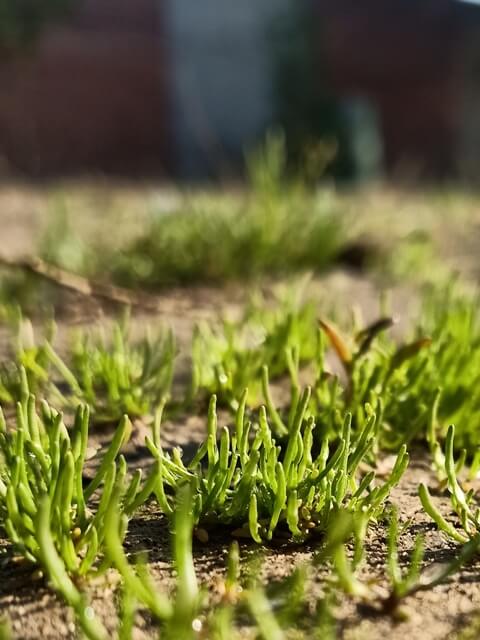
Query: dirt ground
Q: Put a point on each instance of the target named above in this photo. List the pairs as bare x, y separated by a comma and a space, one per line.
438, 614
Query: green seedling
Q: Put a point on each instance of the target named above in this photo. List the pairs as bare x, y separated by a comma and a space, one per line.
403, 382
116, 377
279, 227
249, 482
450, 363
229, 357
58, 575
381, 375
415, 578
279, 610
462, 503
42, 460
177, 616
264, 618
27, 359
345, 526
402, 583
452, 319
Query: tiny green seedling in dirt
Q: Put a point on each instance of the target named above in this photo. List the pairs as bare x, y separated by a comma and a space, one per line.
260, 488
26, 355
279, 227
345, 526
382, 376
177, 616
229, 357
117, 376
463, 503
416, 577
402, 582
113, 375
42, 463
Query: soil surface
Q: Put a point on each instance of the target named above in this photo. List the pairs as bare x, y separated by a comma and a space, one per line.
34, 611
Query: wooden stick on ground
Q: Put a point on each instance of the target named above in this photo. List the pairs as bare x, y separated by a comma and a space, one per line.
81, 285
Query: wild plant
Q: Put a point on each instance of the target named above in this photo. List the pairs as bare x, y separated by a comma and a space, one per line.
346, 527
442, 353
176, 616
27, 357
279, 227
112, 374
188, 613
227, 358
401, 582
384, 375
249, 482
400, 380
416, 577
117, 376
58, 576
42, 463
462, 502
450, 316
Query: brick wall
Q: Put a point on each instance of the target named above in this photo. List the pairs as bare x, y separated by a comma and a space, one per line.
91, 95
404, 56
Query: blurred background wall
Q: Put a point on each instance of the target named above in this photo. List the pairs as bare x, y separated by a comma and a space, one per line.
90, 93
222, 79
180, 88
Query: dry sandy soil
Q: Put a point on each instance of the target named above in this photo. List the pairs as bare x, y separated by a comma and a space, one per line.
35, 612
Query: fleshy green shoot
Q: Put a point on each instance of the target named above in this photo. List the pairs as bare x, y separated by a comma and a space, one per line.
248, 481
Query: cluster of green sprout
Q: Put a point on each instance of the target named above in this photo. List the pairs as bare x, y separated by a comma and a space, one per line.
400, 380
229, 356
114, 376
111, 374
302, 469
251, 483
279, 226
69, 529
463, 502
401, 582
42, 463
